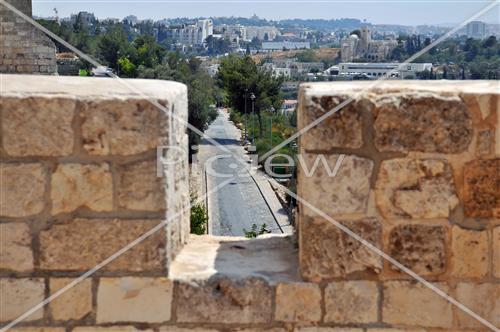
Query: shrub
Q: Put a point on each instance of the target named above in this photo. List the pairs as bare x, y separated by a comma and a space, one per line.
199, 219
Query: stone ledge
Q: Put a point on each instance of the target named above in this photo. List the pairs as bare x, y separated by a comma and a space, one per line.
90, 88
272, 258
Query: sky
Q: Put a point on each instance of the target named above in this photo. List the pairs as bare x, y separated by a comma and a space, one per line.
404, 12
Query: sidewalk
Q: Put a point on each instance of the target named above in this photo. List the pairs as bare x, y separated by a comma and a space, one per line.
280, 215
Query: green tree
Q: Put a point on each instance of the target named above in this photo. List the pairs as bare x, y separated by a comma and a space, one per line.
240, 77
113, 45
306, 56
127, 68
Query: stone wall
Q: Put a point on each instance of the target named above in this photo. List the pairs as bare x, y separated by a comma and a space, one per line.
419, 180
24, 48
78, 183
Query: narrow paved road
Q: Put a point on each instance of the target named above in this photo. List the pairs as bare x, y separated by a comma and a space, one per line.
239, 204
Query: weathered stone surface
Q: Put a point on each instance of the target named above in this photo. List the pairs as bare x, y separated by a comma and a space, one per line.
77, 185
422, 248
298, 302
120, 328
139, 187
37, 126
206, 256
19, 296
327, 329
342, 128
485, 143
38, 329
345, 192
184, 329
83, 243
16, 253
22, 189
469, 253
496, 252
483, 299
134, 299
482, 188
423, 122
222, 300
275, 329
397, 330
348, 302
412, 304
122, 127
327, 252
415, 188
75, 303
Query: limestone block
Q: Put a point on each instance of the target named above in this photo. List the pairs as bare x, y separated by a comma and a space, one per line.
340, 129
348, 302
415, 188
412, 304
22, 189
260, 329
77, 185
327, 329
38, 126
113, 127
222, 300
16, 253
485, 143
19, 296
397, 330
298, 302
83, 243
120, 328
327, 252
469, 253
483, 299
38, 329
422, 248
134, 299
186, 329
482, 188
140, 188
496, 252
344, 192
424, 122
74, 303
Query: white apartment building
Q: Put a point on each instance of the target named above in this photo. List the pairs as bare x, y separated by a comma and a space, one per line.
234, 33
375, 70
476, 29
193, 34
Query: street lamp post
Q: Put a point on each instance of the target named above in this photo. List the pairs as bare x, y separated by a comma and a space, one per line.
246, 116
252, 97
118, 62
271, 128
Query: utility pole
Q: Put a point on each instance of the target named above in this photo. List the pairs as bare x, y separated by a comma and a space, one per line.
246, 116
271, 128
